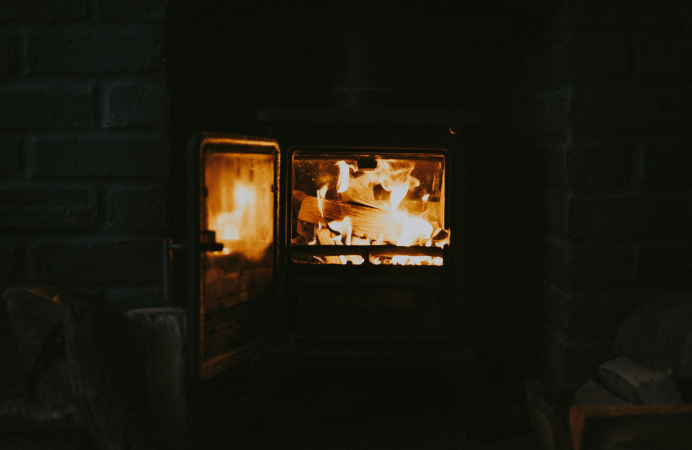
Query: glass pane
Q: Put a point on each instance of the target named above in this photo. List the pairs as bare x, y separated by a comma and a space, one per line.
240, 202
366, 200
240, 210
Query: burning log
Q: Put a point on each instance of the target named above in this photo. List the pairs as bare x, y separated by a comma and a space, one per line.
326, 237
367, 222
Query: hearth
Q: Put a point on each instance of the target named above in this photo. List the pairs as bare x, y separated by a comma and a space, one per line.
348, 232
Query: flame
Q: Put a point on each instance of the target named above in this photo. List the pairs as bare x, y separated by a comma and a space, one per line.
343, 227
344, 176
321, 192
387, 187
228, 224
240, 202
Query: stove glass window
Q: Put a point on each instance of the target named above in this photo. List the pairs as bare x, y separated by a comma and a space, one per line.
368, 208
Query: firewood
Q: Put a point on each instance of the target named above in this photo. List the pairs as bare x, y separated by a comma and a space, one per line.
367, 222
325, 236
638, 384
592, 393
159, 338
105, 379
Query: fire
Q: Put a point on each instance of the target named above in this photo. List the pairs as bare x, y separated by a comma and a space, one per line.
344, 176
228, 224
320, 198
240, 202
375, 207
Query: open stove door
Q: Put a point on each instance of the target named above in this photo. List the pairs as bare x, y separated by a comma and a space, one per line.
232, 266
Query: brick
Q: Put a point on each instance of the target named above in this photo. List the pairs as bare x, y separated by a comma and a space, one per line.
44, 208
558, 211
124, 299
665, 15
570, 363
133, 9
598, 165
664, 265
138, 107
98, 158
613, 108
138, 210
547, 70
556, 165
668, 164
590, 165
588, 266
589, 317
100, 262
9, 53
667, 54
10, 161
557, 108
42, 9
630, 217
96, 52
614, 14
600, 56
11, 262
50, 108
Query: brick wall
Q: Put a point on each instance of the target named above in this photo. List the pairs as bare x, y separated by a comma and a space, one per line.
84, 147
609, 103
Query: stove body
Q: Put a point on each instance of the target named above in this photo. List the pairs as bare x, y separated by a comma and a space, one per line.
269, 258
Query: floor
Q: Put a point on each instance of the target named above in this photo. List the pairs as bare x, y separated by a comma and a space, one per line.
355, 408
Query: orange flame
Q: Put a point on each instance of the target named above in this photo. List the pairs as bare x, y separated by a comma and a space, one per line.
321, 192
344, 176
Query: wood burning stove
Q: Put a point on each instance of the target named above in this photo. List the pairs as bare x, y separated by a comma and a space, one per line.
349, 232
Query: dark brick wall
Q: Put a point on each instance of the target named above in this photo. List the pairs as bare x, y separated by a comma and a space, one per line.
84, 147
617, 163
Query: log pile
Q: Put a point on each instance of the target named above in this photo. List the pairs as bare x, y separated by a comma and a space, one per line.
640, 399
371, 222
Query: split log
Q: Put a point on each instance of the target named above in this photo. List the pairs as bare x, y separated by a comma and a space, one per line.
104, 378
326, 237
159, 339
592, 393
637, 384
366, 222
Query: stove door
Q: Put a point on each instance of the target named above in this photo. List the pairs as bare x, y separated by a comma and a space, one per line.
234, 210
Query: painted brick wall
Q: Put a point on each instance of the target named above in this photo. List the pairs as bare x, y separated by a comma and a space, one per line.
84, 147
610, 104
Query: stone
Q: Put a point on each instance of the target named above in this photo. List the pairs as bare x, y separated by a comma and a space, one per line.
638, 384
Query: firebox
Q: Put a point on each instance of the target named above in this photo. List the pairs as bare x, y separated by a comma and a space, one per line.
351, 231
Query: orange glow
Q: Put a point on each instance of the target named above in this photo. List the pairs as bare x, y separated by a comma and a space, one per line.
240, 202
344, 176
321, 192
384, 206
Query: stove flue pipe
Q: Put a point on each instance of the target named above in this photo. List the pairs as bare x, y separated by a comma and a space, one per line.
363, 69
